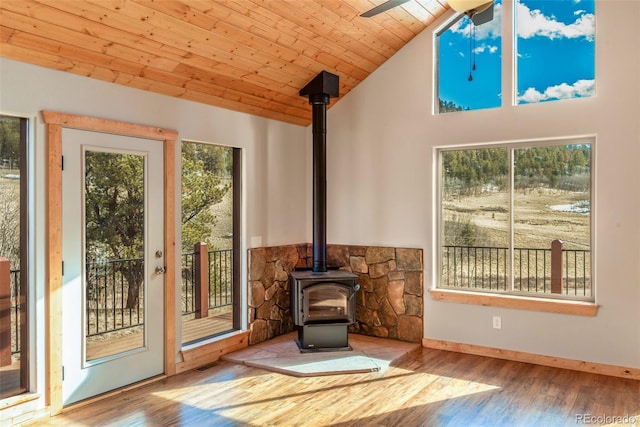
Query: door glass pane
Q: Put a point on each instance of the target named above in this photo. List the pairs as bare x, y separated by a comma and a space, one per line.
114, 252
207, 240
13, 259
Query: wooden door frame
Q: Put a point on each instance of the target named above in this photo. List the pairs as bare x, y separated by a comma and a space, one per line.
53, 250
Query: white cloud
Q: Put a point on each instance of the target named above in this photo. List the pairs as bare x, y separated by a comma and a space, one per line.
530, 96
534, 23
579, 12
580, 89
461, 54
485, 48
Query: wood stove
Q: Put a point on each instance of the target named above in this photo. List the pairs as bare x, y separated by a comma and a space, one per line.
322, 300
323, 306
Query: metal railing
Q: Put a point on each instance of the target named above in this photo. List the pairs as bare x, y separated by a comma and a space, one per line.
112, 303
111, 308
485, 268
16, 306
109, 305
206, 285
550, 271
10, 343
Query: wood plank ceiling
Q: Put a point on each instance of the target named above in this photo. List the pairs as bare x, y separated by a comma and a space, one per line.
251, 56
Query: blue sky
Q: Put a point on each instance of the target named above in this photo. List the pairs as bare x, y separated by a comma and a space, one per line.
555, 55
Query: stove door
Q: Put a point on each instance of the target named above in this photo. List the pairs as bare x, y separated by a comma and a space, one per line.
328, 302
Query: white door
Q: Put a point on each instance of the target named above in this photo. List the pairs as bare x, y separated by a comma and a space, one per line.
113, 262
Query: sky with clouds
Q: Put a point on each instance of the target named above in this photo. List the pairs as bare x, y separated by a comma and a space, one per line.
555, 55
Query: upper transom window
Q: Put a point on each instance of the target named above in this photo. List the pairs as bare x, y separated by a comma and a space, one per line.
554, 49
469, 75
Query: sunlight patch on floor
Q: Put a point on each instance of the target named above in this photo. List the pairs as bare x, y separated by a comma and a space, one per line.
245, 407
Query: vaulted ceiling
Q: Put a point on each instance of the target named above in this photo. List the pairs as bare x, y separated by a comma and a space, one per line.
251, 56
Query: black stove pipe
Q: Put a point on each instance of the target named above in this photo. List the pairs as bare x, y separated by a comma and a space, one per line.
320, 90
319, 182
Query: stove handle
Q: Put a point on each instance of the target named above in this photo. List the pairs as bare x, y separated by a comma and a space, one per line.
356, 288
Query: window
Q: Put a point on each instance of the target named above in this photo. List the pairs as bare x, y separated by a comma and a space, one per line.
210, 240
517, 219
469, 73
14, 268
554, 53
554, 49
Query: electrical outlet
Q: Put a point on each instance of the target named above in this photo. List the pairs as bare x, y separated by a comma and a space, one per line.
497, 322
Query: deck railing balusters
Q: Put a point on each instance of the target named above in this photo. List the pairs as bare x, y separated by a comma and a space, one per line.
535, 266
480, 261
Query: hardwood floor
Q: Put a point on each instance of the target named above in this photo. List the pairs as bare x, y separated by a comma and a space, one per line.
430, 388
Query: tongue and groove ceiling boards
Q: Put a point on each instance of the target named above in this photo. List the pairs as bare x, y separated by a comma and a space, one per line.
251, 56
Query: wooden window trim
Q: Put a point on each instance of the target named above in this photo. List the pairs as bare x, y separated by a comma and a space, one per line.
548, 305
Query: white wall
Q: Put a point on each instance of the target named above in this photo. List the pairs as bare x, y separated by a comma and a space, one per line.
274, 154
381, 186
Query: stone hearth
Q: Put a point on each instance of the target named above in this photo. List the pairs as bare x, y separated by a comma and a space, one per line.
281, 354
389, 303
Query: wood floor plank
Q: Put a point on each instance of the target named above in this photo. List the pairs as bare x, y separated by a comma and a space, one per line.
430, 387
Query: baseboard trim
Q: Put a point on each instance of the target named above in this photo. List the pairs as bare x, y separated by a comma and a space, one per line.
536, 359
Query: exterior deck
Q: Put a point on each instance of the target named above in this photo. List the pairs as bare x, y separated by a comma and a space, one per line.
192, 329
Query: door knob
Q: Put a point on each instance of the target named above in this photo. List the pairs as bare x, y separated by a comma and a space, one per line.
160, 270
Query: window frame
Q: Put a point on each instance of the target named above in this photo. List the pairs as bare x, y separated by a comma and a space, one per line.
450, 22
509, 61
25, 248
515, 62
436, 59
25, 125
236, 267
512, 298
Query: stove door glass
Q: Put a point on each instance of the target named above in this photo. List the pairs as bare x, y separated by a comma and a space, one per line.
326, 302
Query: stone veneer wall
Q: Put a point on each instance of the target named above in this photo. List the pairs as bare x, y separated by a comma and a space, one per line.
389, 303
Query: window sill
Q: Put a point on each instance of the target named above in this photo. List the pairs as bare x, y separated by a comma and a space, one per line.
204, 352
576, 308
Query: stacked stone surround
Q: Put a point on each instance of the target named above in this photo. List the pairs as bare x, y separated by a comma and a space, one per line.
389, 303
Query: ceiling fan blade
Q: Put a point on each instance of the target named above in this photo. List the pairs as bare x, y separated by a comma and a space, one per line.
382, 7
483, 17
